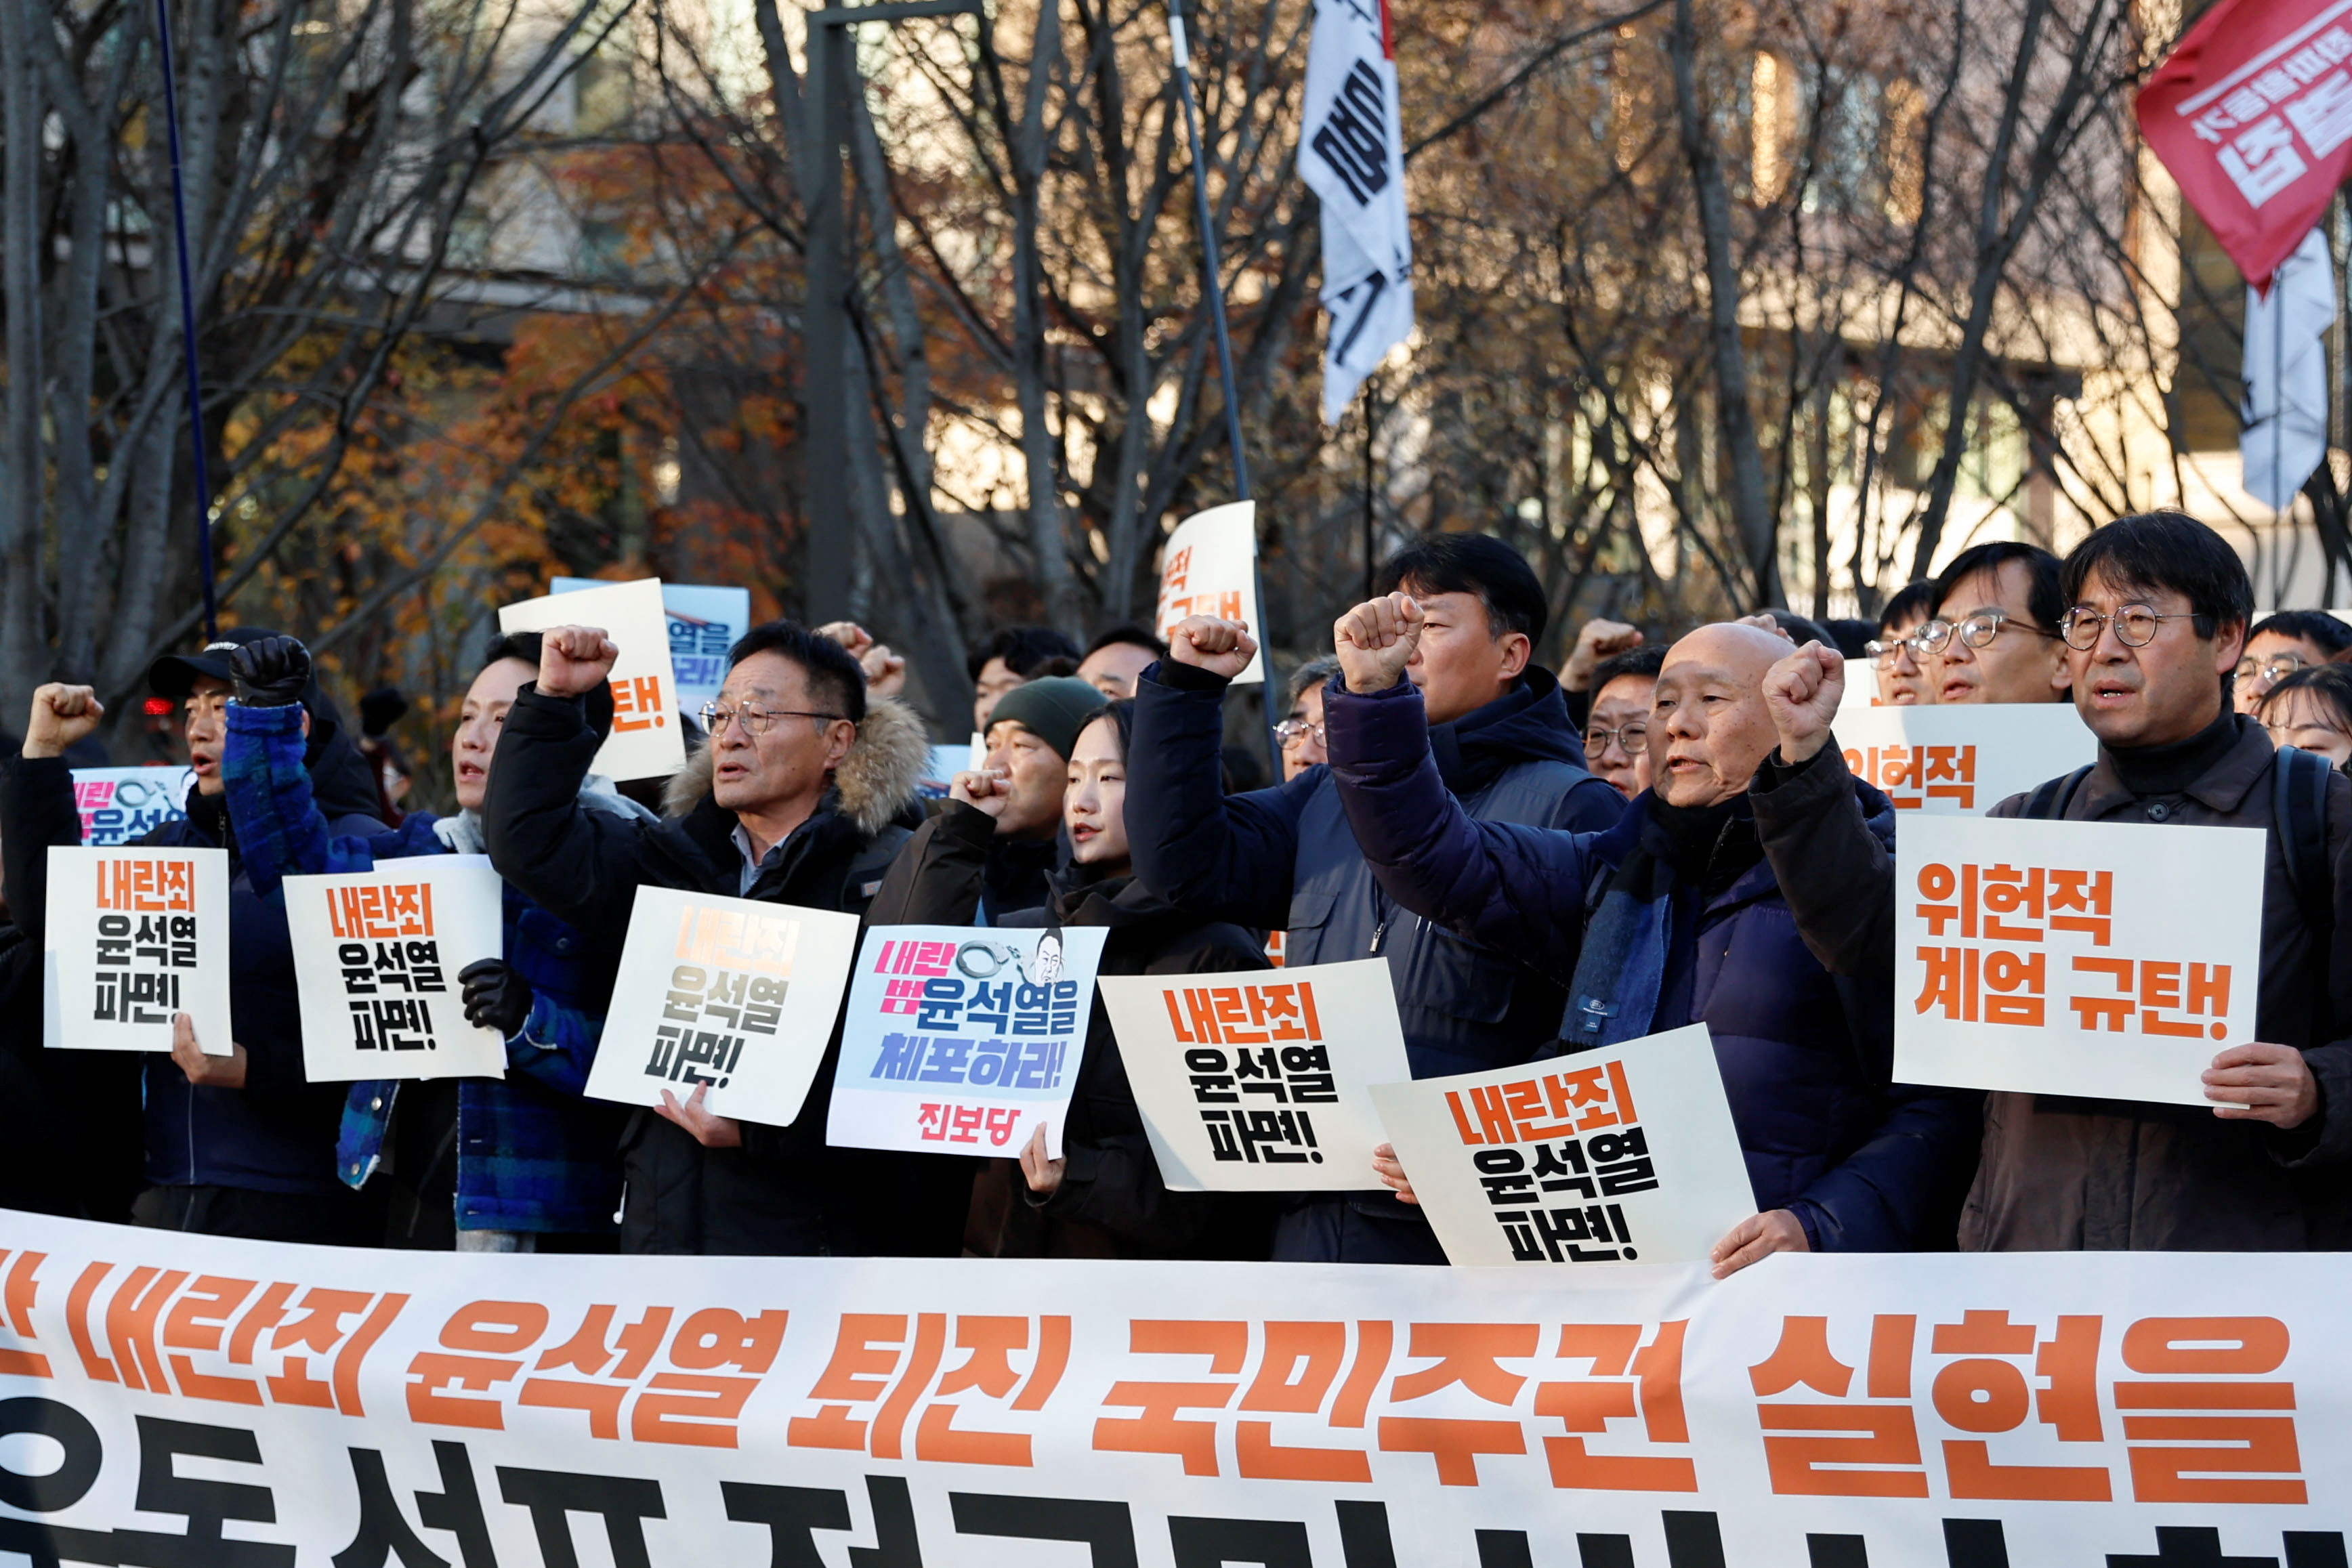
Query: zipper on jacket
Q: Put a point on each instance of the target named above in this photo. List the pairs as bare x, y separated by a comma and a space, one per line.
1378, 932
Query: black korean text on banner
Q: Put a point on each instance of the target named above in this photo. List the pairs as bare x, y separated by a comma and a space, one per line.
2111, 960
169, 1397
645, 742
1621, 1155
728, 992
1260, 1083
376, 960
133, 936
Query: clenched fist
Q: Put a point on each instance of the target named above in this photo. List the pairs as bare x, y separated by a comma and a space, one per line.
1376, 640
576, 660
1802, 693
270, 672
62, 715
1597, 640
1221, 647
886, 672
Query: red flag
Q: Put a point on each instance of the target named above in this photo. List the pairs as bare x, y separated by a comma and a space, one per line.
2253, 115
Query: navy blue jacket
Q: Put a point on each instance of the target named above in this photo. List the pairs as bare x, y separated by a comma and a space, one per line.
1865, 1166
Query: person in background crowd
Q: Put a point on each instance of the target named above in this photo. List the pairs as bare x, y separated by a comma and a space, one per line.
1284, 859
1894, 654
2279, 645
1300, 733
1617, 735
2310, 710
239, 1145
379, 711
793, 801
1596, 639
2157, 606
481, 1164
1012, 655
1994, 636
1114, 659
1103, 1197
1675, 916
1021, 784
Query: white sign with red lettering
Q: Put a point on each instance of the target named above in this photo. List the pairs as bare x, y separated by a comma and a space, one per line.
1965, 760
376, 958
645, 742
1260, 1083
1209, 568
1621, 1155
134, 936
2108, 960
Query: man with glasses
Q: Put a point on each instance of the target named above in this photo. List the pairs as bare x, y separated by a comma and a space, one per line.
1617, 735
1994, 635
2283, 643
795, 799
2158, 609
1300, 733
1900, 663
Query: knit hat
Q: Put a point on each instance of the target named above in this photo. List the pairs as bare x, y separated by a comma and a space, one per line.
1052, 709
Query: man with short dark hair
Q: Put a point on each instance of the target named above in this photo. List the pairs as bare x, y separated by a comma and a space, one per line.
1894, 654
1010, 656
1617, 735
1994, 634
1284, 859
1116, 658
2278, 645
795, 798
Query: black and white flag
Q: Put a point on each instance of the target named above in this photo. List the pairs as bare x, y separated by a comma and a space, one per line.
1351, 153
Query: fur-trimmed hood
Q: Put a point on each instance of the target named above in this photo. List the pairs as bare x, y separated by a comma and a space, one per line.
875, 782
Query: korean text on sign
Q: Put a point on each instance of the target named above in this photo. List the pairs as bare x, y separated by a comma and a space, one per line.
119, 804
133, 936
1209, 567
376, 956
644, 742
1965, 760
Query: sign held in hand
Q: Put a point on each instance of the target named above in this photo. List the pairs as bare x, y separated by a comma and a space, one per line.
376, 958
134, 936
1209, 568
1963, 761
645, 742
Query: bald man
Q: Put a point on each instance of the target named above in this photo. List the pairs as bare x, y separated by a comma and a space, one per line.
1675, 916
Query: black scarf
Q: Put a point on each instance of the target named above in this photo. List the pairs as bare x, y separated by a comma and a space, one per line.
1708, 846
2170, 769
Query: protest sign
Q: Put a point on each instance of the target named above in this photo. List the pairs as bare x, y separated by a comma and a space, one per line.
1209, 567
961, 1039
1621, 1155
376, 958
704, 622
645, 742
1962, 760
1260, 1083
119, 804
1861, 694
2110, 960
177, 1398
730, 992
134, 936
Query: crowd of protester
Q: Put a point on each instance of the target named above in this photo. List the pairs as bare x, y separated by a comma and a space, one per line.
1662, 834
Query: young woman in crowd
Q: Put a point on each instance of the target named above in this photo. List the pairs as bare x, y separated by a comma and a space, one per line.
2310, 710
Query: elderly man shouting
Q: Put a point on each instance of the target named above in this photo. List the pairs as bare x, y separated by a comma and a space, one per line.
1673, 916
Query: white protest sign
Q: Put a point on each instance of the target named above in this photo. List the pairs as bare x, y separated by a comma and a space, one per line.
1614, 1155
119, 804
645, 742
2109, 960
1209, 568
133, 936
730, 992
376, 958
961, 1039
1260, 1083
704, 622
1861, 693
1965, 760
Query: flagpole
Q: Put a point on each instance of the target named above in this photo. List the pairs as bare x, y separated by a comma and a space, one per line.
188, 322
1371, 527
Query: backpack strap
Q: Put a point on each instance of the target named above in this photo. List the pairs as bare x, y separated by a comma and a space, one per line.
2299, 809
2053, 796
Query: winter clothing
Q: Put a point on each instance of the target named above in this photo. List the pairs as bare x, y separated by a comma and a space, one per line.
1666, 919
1052, 709
1285, 859
784, 1191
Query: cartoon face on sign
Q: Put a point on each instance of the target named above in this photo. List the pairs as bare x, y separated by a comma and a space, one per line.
1049, 957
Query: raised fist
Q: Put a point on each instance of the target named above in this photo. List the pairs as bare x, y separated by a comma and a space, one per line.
270, 672
886, 672
1597, 640
1376, 640
1802, 693
988, 789
1221, 647
62, 715
576, 660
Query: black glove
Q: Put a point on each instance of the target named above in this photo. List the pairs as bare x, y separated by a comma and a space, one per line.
270, 672
496, 996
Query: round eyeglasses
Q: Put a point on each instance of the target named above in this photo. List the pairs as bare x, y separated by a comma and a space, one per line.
2136, 625
755, 719
1977, 631
1291, 731
1632, 738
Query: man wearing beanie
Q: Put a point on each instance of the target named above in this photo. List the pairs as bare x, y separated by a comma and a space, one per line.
1020, 784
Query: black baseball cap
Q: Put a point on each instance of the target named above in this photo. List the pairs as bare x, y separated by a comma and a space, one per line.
175, 674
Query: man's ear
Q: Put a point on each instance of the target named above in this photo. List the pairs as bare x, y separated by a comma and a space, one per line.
2228, 645
1517, 649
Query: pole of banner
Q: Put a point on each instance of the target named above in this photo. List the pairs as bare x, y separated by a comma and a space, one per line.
2278, 399
187, 318
1372, 525
1214, 288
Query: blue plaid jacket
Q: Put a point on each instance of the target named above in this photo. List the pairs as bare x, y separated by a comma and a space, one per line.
532, 1153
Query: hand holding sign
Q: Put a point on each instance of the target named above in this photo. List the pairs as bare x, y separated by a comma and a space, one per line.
62, 715
1803, 693
204, 1069
576, 660
1376, 640
2263, 1082
710, 1130
1221, 647
1757, 1237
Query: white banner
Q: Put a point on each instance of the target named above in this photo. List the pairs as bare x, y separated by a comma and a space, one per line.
134, 936
376, 958
1965, 760
2111, 960
645, 742
961, 1039
730, 992
119, 804
1260, 1083
703, 624
1209, 568
173, 1398
1351, 154
1619, 1155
